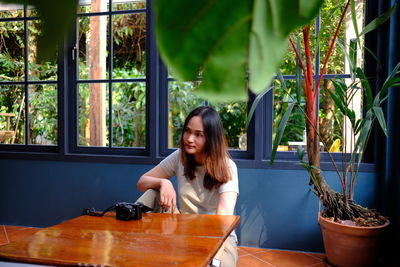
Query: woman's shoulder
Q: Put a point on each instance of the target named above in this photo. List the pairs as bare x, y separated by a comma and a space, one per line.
176, 153
175, 156
171, 163
231, 163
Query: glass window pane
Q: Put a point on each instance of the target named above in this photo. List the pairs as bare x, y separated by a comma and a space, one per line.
233, 116
182, 100
11, 11
38, 71
129, 46
330, 16
12, 51
288, 64
43, 114
12, 114
129, 114
92, 47
128, 4
294, 133
93, 114
32, 12
336, 131
88, 6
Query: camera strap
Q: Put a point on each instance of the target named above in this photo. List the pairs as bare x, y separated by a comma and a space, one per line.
93, 212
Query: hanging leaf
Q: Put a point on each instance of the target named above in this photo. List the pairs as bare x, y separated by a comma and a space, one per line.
254, 105
349, 59
361, 141
392, 80
378, 21
338, 96
367, 88
280, 131
340, 90
381, 118
358, 126
354, 17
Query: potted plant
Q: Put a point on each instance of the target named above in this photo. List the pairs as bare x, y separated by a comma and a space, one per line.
351, 233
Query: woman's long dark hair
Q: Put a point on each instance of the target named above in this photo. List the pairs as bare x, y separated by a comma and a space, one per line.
215, 153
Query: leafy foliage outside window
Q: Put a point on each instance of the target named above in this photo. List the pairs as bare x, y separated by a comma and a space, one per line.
42, 98
182, 100
128, 59
329, 115
283, 93
43, 114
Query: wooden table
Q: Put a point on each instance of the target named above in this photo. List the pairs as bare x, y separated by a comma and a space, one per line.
155, 240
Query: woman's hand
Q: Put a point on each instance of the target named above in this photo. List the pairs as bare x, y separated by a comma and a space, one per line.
167, 195
157, 179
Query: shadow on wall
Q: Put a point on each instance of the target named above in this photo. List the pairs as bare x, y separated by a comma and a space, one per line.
41, 194
278, 210
252, 230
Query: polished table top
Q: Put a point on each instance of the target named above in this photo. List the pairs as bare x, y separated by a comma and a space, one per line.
155, 240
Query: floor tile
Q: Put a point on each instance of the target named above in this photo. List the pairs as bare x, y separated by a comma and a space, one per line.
280, 258
250, 260
316, 255
242, 252
250, 250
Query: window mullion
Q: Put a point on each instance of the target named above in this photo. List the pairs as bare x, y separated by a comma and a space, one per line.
152, 87
26, 50
110, 63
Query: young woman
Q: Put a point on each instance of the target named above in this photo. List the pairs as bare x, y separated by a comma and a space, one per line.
207, 177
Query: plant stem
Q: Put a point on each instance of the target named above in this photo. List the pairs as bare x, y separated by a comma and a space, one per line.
309, 73
299, 59
331, 48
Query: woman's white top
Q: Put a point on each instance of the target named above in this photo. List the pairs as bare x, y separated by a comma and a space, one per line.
194, 198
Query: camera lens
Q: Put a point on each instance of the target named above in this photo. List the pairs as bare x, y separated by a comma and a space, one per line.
126, 213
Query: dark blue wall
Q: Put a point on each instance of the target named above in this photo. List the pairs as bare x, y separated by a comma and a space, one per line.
277, 208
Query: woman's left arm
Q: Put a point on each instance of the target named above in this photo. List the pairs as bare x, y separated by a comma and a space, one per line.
226, 203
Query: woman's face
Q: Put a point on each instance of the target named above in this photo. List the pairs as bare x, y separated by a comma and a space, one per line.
193, 136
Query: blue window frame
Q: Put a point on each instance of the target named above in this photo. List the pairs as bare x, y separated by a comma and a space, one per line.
23, 83
102, 92
73, 79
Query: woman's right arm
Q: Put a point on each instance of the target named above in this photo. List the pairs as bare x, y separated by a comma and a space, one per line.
158, 179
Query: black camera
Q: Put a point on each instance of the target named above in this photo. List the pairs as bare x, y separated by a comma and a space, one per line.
124, 211
130, 211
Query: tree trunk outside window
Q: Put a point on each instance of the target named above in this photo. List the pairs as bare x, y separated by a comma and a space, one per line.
97, 71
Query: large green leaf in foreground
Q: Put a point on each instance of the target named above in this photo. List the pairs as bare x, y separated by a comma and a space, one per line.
273, 21
225, 39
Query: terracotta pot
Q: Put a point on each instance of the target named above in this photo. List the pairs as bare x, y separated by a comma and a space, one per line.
351, 246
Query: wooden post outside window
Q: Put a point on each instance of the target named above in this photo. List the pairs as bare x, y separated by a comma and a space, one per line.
97, 70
